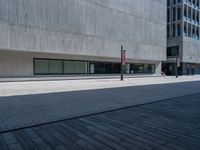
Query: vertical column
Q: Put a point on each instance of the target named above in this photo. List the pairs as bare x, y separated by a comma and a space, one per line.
175, 13
86, 67
171, 14
198, 17
196, 12
187, 29
158, 68
187, 10
176, 18
191, 11
182, 15
170, 22
196, 3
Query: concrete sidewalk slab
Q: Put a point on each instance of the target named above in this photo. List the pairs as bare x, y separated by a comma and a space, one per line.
28, 110
42, 87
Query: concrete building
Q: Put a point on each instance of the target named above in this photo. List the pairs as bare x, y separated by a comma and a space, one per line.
57, 37
183, 33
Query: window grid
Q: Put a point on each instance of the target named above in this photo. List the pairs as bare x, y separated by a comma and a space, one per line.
183, 18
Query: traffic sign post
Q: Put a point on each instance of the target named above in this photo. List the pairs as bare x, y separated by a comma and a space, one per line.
123, 62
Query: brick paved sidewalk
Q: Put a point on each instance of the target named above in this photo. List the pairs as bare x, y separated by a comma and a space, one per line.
167, 125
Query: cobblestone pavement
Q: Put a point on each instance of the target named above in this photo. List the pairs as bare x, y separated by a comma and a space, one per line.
173, 124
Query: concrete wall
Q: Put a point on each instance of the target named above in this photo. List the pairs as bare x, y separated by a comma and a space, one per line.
191, 50
85, 27
15, 64
20, 64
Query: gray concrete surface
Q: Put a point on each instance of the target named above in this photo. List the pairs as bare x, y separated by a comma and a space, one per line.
80, 29
191, 50
26, 109
85, 27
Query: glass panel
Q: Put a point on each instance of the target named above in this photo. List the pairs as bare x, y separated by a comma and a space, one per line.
74, 67
104, 67
99, 68
137, 68
173, 51
55, 67
80, 67
69, 67
41, 67
142, 68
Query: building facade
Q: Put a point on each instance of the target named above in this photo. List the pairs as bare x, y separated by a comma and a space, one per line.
58, 37
183, 37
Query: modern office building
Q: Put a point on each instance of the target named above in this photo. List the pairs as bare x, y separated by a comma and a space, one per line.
183, 36
58, 37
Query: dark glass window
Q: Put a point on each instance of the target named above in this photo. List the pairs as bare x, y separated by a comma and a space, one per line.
193, 2
193, 15
174, 30
104, 67
178, 13
185, 11
168, 15
168, 31
168, 2
174, 14
142, 68
178, 29
185, 29
173, 51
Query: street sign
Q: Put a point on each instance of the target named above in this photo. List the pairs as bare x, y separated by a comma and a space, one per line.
124, 57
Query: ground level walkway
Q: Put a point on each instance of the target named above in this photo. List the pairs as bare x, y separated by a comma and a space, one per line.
173, 124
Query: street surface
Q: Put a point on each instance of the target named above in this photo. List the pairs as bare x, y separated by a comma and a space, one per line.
138, 113
173, 124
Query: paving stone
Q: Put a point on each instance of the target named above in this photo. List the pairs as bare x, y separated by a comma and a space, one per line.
163, 125
25, 141
3, 145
